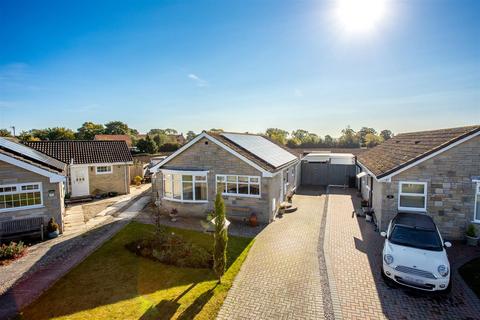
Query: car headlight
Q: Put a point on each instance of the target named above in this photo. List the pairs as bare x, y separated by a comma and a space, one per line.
443, 270
388, 258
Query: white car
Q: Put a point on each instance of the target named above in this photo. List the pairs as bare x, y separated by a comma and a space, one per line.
414, 253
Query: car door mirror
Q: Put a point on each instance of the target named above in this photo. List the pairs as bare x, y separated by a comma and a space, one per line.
383, 234
447, 244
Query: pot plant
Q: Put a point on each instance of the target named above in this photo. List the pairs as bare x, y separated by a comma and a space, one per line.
253, 220
471, 235
138, 181
173, 214
52, 228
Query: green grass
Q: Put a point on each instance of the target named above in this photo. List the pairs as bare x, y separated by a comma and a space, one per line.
470, 272
113, 283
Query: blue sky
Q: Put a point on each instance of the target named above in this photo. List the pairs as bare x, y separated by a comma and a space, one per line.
238, 65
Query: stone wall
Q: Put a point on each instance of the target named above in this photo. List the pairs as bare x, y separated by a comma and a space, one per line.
117, 181
450, 190
53, 206
207, 156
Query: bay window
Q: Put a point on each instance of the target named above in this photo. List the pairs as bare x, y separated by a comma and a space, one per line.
20, 196
187, 186
247, 186
412, 196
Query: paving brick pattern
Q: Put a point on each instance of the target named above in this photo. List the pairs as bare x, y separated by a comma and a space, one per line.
353, 251
280, 277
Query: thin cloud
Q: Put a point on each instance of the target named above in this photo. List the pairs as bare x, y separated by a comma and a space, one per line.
298, 93
198, 81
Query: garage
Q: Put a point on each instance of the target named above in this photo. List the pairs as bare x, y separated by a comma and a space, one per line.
323, 169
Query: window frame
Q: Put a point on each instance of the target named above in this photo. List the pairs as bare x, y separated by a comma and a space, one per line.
194, 174
104, 172
475, 203
225, 193
424, 195
20, 191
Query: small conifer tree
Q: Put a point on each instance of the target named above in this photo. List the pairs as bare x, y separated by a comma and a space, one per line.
221, 238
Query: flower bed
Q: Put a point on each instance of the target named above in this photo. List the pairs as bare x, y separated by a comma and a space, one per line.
172, 249
11, 251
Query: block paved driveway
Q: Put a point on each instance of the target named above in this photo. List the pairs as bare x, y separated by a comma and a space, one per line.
353, 253
280, 277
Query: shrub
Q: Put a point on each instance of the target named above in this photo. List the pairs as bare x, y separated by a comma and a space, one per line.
221, 239
52, 226
12, 251
471, 232
138, 180
172, 249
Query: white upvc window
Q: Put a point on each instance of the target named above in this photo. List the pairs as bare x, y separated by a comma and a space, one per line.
477, 203
185, 186
21, 196
412, 196
240, 186
104, 169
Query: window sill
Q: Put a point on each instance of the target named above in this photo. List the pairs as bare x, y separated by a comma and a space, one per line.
101, 173
39, 206
237, 195
419, 210
185, 201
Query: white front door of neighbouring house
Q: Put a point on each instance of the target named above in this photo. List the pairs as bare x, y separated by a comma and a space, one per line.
79, 179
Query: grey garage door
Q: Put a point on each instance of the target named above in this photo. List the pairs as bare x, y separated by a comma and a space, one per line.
325, 173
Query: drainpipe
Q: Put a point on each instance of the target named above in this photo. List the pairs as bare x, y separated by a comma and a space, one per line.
371, 193
126, 179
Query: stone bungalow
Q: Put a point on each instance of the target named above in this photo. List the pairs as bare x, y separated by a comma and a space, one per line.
253, 174
94, 167
31, 184
433, 172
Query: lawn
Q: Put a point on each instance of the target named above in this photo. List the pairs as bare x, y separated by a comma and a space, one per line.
113, 283
470, 272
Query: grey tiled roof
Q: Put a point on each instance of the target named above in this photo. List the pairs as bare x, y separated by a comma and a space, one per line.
84, 152
32, 156
407, 148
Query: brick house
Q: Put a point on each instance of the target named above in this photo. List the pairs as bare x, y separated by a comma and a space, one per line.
253, 174
94, 167
434, 172
31, 184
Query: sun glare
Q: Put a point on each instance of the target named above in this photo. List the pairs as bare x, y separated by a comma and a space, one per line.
360, 16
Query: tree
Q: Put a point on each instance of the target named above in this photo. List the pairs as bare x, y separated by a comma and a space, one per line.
160, 139
57, 133
190, 135
88, 130
169, 147
147, 145
349, 138
277, 135
117, 127
220, 239
5, 133
386, 134
371, 140
27, 136
169, 131
363, 133
328, 141
293, 142
213, 130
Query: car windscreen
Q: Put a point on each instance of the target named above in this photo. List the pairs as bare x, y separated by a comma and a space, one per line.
416, 237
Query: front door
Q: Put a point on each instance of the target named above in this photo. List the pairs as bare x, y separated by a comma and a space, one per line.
79, 178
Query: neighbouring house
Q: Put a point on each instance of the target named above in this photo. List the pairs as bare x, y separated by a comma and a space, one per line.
94, 167
253, 174
433, 172
31, 184
115, 137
